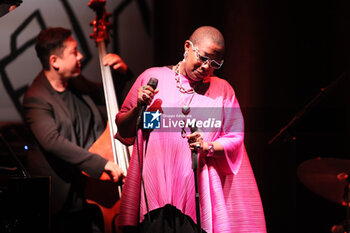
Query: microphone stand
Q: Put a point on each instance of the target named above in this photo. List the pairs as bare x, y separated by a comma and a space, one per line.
194, 168
308, 106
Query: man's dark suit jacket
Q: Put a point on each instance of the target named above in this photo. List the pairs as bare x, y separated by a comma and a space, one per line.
50, 121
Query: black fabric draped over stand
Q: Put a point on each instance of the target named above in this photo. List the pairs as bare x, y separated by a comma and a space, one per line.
166, 219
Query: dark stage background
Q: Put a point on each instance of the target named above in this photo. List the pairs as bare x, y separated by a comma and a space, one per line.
280, 54
323, 61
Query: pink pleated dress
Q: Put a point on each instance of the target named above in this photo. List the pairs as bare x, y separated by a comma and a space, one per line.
229, 197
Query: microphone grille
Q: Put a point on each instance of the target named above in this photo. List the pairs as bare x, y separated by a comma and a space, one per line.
153, 82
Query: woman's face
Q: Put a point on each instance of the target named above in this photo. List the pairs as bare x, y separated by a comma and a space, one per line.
202, 59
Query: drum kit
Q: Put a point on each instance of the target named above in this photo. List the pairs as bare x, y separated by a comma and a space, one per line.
329, 178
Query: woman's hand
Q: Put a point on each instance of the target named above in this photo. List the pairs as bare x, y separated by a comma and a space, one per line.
145, 95
195, 141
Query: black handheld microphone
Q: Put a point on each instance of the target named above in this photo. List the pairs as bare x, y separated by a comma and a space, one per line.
152, 82
194, 128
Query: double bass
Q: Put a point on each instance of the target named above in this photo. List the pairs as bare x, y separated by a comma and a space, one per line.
104, 192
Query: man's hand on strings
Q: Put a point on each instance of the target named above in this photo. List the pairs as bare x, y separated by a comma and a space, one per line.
114, 171
116, 62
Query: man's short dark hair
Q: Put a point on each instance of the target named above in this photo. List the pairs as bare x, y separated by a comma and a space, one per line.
50, 41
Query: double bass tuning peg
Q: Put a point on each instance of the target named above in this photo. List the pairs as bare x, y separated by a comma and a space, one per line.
93, 22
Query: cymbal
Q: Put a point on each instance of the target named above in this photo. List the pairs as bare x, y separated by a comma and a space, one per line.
327, 177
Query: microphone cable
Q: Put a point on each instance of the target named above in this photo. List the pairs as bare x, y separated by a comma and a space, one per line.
142, 182
152, 82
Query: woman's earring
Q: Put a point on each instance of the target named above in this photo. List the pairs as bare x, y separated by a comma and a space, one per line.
185, 55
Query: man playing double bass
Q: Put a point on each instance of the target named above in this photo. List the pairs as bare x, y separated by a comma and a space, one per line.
63, 110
